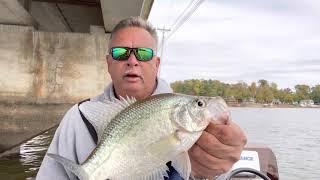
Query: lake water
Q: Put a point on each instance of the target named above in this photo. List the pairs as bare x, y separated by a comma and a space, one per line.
292, 133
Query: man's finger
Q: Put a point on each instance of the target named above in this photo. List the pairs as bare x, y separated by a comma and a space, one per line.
227, 134
210, 144
209, 161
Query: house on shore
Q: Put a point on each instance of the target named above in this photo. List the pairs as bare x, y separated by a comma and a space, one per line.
306, 103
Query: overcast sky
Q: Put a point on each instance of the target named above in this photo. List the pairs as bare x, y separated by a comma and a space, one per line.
242, 40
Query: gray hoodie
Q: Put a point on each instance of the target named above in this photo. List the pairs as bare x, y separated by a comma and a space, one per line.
73, 141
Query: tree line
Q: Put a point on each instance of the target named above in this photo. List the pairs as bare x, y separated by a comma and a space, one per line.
260, 92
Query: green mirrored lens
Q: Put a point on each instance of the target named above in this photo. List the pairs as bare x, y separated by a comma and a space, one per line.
144, 54
119, 53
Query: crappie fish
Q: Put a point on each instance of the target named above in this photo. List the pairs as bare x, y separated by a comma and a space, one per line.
137, 138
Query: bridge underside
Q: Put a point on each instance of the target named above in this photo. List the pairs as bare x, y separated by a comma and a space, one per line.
52, 54
70, 15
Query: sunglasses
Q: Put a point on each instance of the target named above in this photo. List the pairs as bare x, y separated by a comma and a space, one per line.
123, 53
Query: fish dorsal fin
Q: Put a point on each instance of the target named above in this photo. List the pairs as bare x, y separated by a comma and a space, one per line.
99, 114
157, 174
182, 165
123, 102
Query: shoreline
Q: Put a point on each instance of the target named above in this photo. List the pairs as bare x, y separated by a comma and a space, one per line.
271, 106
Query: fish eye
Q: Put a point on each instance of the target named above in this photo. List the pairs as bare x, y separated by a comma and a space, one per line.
200, 103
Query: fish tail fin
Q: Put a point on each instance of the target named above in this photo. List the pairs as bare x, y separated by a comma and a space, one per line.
71, 166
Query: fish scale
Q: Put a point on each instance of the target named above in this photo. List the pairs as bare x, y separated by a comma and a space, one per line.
120, 125
142, 136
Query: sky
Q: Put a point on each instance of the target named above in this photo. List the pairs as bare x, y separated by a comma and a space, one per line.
247, 40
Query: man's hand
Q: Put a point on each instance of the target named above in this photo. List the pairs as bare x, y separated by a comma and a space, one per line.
218, 148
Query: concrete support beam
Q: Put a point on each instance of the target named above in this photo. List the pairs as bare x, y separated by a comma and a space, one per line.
12, 12
49, 67
81, 17
59, 17
43, 74
26, 4
113, 10
49, 17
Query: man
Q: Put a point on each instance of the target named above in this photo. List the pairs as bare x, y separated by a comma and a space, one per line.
133, 67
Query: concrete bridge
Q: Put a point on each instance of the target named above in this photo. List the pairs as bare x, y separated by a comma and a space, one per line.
52, 55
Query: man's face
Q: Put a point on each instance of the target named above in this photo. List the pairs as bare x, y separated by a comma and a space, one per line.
132, 77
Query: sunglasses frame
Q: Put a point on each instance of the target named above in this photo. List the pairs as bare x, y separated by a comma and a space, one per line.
129, 51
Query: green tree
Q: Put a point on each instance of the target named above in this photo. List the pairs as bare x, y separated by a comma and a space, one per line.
264, 92
240, 91
263, 83
286, 95
228, 91
302, 91
274, 89
196, 86
264, 95
253, 90
188, 87
315, 94
218, 88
